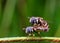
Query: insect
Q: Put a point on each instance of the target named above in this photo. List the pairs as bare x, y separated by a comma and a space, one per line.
38, 25
29, 31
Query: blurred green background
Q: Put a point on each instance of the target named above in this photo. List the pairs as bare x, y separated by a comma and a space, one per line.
14, 16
